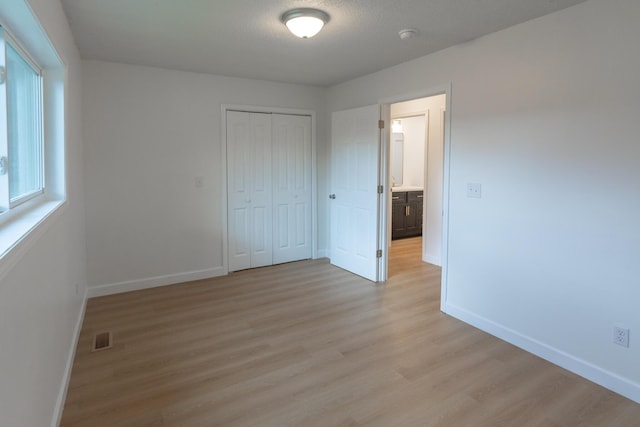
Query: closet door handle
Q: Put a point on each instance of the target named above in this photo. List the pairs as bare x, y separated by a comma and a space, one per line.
332, 196
407, 210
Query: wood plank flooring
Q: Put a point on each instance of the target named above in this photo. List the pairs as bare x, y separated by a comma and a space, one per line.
308, 344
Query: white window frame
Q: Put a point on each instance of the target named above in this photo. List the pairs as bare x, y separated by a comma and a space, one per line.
28, 218
6, 203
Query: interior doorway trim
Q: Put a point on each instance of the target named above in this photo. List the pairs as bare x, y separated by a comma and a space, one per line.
384, 174
314, 174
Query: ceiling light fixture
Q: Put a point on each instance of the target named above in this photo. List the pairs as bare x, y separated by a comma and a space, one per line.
407, 34
304, 23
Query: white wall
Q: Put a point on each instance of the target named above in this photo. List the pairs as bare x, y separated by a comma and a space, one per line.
432, 244
39, 306
149, 132
545, 116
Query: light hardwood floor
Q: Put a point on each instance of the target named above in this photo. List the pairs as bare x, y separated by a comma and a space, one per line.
307, 344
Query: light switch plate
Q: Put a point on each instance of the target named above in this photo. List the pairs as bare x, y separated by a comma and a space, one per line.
474, 190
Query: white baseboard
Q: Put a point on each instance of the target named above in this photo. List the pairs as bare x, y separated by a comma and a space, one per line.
62, 394
596, 374
435, 260
154, 282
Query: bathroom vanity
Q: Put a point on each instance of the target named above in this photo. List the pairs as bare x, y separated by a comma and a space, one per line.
406, 212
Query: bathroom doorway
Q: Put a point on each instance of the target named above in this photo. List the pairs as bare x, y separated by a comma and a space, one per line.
416, 177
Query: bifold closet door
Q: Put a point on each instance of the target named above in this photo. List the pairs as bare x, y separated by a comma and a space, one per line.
249, 190
291, 148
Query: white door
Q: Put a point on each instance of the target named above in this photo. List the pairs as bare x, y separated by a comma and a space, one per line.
355, 143
249, 190
291, 147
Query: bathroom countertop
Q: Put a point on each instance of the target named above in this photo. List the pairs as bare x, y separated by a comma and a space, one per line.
406, 188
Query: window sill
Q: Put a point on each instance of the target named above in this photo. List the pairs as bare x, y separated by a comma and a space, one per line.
20, 228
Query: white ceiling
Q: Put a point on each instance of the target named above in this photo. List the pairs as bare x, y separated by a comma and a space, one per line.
245, 38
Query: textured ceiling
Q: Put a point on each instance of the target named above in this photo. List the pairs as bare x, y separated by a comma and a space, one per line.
244, 38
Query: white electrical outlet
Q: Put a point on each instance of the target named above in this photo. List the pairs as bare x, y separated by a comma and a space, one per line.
474, 190
621, 336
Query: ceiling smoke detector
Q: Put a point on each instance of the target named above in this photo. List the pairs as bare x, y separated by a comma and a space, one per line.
407, 34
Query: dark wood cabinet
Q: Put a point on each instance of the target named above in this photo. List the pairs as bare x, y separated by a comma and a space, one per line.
406, 214
398, 215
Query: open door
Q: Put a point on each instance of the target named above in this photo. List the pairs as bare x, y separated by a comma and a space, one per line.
355, 159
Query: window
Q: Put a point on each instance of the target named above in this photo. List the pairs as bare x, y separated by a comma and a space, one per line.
21, 137
32, 132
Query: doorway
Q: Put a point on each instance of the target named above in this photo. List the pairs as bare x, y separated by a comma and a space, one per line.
361, 180
416, 177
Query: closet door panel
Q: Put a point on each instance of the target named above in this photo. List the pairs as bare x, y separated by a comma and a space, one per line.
249, 190
261, 199
239, 189
291, 144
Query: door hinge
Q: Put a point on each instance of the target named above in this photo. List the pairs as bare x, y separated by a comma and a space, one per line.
4, 165
380, 189
380, 124
379, 253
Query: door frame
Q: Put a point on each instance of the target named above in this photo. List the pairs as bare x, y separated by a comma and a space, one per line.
224, 221
384, 178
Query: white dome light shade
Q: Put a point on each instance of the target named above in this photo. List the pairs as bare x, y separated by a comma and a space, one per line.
305, 26
304, 23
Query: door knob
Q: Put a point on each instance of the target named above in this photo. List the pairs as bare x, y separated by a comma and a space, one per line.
332, 196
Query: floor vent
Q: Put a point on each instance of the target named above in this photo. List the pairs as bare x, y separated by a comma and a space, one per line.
102, 341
